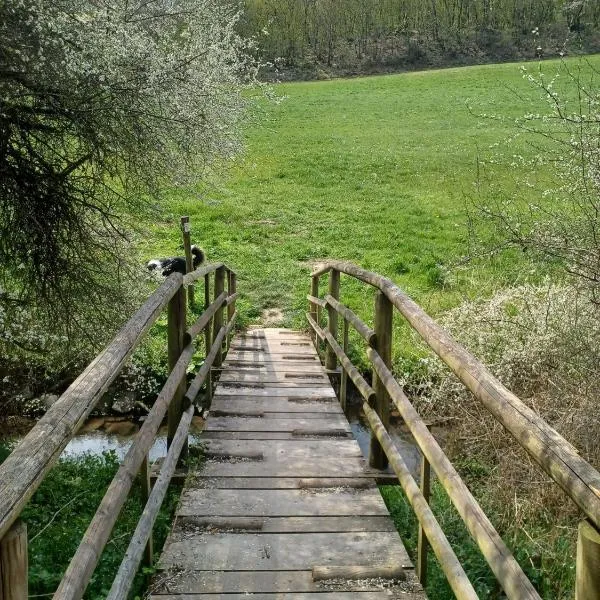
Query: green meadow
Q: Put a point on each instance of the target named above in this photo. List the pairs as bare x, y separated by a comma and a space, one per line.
382, 171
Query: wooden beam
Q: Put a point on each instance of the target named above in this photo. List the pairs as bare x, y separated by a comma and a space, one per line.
383, 332
88, 553
365, 332
14, 563
218, 318
457, 578
176, 329
555, 455
497, 554
334, 291
208, 341
23, 471
189, 262
587, 586
143, 531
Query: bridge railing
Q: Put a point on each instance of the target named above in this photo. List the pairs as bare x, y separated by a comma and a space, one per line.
555, 455
24, 470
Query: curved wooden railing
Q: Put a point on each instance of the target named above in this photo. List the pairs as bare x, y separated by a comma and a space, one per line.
557, 457
25, 468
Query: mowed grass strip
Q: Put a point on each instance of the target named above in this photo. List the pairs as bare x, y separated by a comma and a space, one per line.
377, 170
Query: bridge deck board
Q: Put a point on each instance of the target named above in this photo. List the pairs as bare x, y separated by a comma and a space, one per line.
283, 488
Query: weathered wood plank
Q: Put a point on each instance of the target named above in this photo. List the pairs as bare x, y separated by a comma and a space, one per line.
285, 449
291, 357
282, 503
284, 488
388, 594
287, 524
274, 405
310, 467
329, 422
227, 582
245, 390
272, 483
286, 551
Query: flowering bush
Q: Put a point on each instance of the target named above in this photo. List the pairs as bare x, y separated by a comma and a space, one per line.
102, 105
541, 342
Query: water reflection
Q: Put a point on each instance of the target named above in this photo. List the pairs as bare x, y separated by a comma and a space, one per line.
102, 435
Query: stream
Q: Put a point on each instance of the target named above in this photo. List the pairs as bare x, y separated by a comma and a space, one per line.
116, 434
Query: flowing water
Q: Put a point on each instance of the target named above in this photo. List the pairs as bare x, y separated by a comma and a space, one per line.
110, 434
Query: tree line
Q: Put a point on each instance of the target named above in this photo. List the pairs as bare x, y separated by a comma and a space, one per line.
363, 35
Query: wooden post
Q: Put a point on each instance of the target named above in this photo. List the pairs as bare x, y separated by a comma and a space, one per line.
189, 263
383, 346
231, 289
14, 563
334, 290
313, 308
176, 325
587, 586
146, 489
218, 318
344, 375
422, 543
208, 342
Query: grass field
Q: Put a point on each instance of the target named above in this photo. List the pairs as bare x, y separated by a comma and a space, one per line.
377, 170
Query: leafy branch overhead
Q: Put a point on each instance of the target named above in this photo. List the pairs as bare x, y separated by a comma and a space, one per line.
102, 105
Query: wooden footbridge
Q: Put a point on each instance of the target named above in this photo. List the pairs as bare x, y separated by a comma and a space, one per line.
283, 505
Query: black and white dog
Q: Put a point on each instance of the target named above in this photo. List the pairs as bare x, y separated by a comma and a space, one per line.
176, 264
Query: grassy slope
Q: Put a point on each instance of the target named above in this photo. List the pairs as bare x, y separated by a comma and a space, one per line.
376, 170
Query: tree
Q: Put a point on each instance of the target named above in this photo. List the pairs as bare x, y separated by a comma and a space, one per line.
560, 223
103, 105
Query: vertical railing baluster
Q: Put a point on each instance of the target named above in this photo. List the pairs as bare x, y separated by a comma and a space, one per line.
189, 263
146, 489
313, 309
587, 586
14, 563
176, 327
334, 291
383, 345
344, 375
422, 543
231, 289
208, 343
218, 318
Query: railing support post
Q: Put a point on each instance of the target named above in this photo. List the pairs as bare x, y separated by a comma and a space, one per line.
313, 308
231, 289
176, 325
218, 318
422, 543
334, 290
383, 346
208, 343
146, 489
344, 375
587, 586
189, 264
14, 563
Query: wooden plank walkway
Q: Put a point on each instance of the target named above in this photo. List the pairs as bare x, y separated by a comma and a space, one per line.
284, 489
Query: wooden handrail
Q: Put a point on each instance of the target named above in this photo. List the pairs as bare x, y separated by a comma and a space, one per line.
545, 445
364, 330
316, 301
504, 566
457, 578
88, 553
205, 318
362, 386
23, 471
205, 270
133, 556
